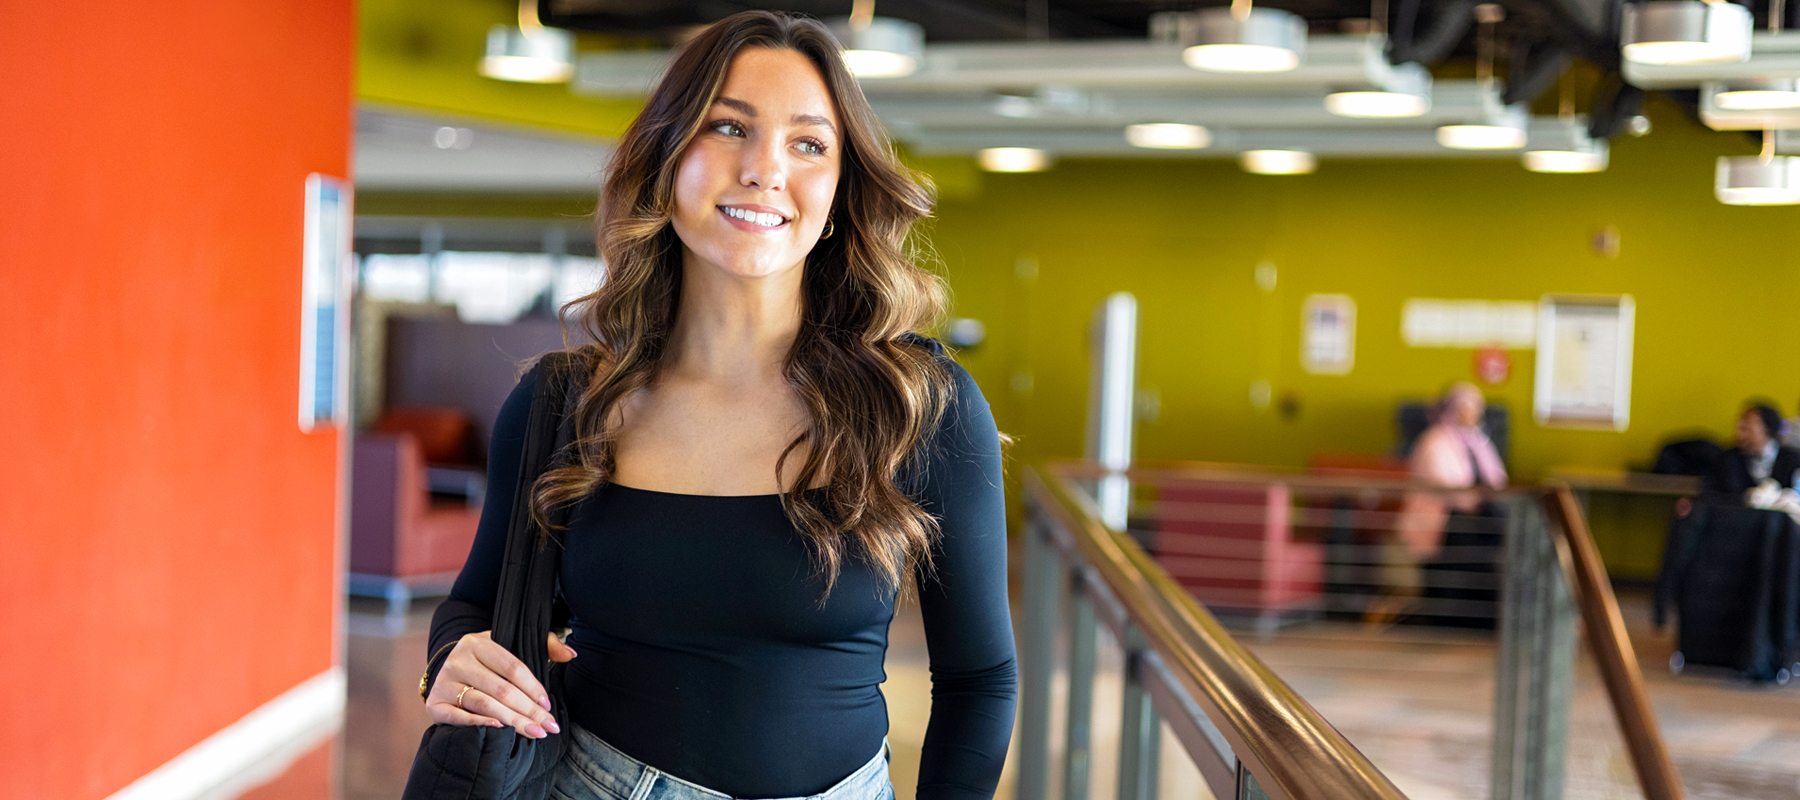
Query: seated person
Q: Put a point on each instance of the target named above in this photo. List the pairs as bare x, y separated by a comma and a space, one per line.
1759, 456
1453, 452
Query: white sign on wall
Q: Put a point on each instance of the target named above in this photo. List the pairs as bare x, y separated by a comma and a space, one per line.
1328, 334
1584, 361
325, 304
1430, 322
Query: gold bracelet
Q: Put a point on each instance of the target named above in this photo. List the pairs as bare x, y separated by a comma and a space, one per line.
425, 679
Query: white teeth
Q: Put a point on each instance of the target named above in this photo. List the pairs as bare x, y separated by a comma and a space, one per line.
765, 220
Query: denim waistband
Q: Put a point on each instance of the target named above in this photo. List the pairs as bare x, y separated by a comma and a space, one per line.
595, 770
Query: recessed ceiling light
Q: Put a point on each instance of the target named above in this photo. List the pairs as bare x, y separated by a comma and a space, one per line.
1277, 162
1168, 136
1013, 159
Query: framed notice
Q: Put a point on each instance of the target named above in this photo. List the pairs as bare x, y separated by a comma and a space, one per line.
325, 304
1584, 361
1328, 334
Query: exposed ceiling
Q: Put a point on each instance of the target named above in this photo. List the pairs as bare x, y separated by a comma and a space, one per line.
404, 149
1539, 38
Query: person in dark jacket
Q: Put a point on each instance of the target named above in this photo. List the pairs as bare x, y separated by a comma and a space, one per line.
1758, 456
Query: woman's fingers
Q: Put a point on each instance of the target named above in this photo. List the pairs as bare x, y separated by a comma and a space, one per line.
479, 702
513, 671
559, 652
503, 694
447, 714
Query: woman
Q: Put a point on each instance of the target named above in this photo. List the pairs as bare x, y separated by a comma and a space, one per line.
766, 451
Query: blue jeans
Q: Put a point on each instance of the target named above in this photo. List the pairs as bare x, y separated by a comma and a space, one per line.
595, 770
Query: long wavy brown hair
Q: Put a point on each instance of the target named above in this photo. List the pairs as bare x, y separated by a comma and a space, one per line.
873, 394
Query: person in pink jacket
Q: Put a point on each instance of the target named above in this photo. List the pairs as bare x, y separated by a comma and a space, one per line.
1452, 453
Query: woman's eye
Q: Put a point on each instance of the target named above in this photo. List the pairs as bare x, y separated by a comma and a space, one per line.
728, 128
812, 147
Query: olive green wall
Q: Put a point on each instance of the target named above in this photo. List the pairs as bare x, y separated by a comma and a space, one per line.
424, 55
1716, 290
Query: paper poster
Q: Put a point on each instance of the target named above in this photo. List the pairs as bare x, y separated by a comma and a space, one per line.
325, 304
1584, 361
1328, 340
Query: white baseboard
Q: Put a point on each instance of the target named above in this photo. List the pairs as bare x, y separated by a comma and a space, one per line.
251, 751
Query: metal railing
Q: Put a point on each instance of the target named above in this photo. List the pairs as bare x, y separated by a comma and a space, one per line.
1248, 733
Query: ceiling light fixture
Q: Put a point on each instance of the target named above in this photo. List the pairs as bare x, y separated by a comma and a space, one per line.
529, 53
1377, 104
1759, 180
878, 47
1013, 159
1168, 136
1407, 93
1760, 95
1764, 95
1505, 127
1686, 32
1564, 146
1277, 162
1239, 38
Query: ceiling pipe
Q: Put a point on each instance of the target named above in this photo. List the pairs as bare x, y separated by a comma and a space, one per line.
1534, 67
1452, 23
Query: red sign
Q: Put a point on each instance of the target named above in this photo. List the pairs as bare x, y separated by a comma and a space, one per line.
1492, 366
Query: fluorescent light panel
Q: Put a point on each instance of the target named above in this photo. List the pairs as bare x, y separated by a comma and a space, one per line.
1277, 162
1168, 136
1013, 159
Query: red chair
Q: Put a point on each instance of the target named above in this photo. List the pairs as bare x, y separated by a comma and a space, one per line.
402, 543
1232, 546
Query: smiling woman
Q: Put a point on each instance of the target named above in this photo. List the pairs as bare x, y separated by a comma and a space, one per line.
764, 448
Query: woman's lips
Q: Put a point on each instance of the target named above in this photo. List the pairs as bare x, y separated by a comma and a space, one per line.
751, 218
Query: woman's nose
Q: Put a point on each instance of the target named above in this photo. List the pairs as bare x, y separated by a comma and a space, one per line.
764, 167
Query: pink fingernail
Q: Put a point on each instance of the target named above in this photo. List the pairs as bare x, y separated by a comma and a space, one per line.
545, 702
535, 731
551, 726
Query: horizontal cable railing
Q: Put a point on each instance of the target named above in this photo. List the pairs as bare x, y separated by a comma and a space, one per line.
1247, 731
1201, 542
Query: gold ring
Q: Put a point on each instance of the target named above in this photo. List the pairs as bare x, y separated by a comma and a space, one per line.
459, 695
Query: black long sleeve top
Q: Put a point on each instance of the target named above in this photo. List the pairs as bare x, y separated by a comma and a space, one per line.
704, 650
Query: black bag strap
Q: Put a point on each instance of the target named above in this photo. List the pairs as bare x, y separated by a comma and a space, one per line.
527, 593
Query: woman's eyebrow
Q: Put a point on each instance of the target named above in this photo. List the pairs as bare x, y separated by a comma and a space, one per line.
815, 119
741, 106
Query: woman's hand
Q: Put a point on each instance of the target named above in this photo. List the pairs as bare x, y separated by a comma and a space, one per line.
494, 687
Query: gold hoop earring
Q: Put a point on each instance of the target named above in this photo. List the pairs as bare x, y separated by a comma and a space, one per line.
829, 230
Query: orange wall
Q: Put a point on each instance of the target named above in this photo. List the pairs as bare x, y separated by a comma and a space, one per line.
169, 532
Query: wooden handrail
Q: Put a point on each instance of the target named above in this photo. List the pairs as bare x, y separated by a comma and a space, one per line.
1292, 750
1612, 650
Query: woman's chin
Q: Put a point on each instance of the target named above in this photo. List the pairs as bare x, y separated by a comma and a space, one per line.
754, 268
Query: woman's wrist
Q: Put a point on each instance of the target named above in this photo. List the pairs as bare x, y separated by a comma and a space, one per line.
425, 679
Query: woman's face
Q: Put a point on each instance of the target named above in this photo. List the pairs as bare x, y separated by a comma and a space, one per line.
755, 186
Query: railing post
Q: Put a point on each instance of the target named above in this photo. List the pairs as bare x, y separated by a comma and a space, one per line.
1140, 738
1043, 584
1082, 645
1534, 673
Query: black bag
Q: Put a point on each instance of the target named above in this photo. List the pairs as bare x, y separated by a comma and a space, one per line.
477, 763
1734, 574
